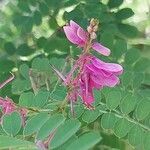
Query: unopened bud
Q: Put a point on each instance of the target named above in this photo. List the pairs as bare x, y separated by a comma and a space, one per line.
94, 22
95, 28
93, 35
89, 29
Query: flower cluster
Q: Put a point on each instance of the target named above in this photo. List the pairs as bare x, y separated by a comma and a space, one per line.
88, 72
8, 106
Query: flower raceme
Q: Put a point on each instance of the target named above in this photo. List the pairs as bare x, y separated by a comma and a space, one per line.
88, 72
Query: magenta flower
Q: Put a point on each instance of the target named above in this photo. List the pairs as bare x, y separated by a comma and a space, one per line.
78, 36
103, 74
88, 72
96, 75
8, 106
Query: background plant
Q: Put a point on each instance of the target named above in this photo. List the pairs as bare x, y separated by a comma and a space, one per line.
32, 38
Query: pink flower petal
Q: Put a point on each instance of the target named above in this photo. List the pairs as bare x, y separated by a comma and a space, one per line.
71, 35
109, 67
94, 84
87, 98
82, 34
101, 49
98, 79
111, 81
97, 71
105, 81
74, 25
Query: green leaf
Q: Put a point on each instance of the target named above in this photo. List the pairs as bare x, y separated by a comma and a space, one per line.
57, 45
41, 64
98, 97
132, 56
78, 111
59, 93
68, 142
114, 3
124, 13
30, 100
43, 8
146, 141
53, 23
120, 47
147, 79
24, 6
37, 18
19, 86
85, 141
2, 132
128, 103
12, 123
127, 78
113, 99
10, 48
24, 23
128, 30
145, 93
35, 123
64, 133
6, 65
141, 65
33, 2
26, 99
74, 14
53, 3
122, 127
143, 109
24, 71
41, 42
41, 98
107, 39
25, 50
108, 120
50, 126
90, 115
106, 17
138, 78
136, 135
58, 62
14, 143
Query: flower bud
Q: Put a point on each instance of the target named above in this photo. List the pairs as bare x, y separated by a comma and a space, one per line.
89, 29
95, 28
94, 22
93, 35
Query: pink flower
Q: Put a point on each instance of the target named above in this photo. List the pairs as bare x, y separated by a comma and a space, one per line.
78, 36
88, 72
8, 106
103, 74
96, 75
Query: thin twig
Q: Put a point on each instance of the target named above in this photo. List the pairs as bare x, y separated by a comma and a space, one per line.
7, 81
